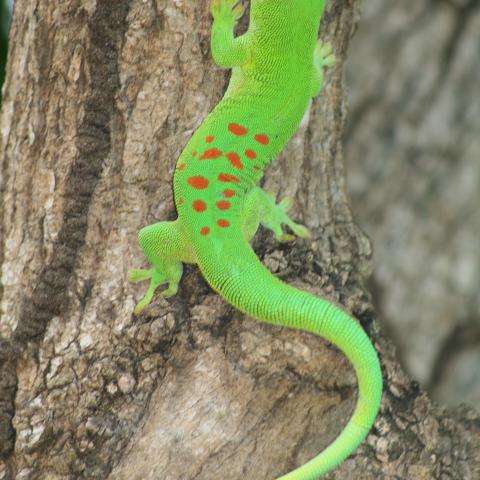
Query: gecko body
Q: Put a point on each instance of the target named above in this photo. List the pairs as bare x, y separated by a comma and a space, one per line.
277, 67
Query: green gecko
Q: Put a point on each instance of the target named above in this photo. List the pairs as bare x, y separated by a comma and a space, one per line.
277, 67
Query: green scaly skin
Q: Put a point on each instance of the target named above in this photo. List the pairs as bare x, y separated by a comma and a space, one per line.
277, 66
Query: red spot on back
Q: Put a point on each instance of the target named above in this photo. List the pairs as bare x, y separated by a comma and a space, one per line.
199, 206
211, 153
223, 223
237, 129
204, 231
223, 205
234, 159
251, 154
228, 193
194, 154
198, 182
180, 201
262, 138
209, 138
181, 166
226, 177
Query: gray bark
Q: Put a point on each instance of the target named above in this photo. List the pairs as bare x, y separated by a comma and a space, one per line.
99, 102
412, 151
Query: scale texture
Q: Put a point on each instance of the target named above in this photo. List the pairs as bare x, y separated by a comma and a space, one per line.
277, 67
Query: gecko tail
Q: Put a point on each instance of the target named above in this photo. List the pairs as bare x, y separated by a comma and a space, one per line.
251, 288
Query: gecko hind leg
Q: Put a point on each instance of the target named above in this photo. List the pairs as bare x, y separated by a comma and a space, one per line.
166, 248
260, 208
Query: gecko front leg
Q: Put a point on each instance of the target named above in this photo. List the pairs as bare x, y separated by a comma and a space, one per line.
227, 51
323, 57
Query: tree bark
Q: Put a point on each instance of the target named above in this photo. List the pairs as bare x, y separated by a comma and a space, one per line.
412, 154
99, 102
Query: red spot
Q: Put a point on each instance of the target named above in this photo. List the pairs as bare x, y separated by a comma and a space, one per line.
180, 201
211, 154
223, 205
228, 193
223, 223
204, 231
262, 138
182, 166
237, 129
198, 182
194, 154
251, 154
210, 139
226, 177
199, 205
235, 160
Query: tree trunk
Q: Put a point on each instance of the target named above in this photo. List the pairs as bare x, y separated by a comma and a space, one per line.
412, 155
99, 101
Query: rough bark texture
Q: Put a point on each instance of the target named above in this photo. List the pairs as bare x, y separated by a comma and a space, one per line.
412, 154
99, 101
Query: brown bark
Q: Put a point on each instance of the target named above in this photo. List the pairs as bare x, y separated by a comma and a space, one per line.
99, 101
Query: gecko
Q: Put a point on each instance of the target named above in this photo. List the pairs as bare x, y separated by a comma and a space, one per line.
277, 67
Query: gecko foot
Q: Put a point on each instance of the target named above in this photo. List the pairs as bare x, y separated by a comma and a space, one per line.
278, 217
170, 275
227, 10
260, 207
324, 56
